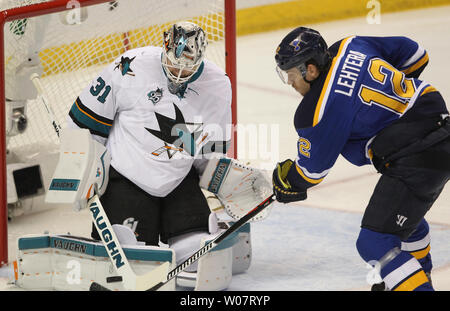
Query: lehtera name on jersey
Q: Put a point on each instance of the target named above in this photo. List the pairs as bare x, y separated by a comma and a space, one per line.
350, 72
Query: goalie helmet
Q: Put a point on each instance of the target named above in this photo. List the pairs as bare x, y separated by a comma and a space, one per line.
301, 46
184, 49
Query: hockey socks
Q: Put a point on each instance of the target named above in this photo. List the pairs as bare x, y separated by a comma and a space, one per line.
399, 270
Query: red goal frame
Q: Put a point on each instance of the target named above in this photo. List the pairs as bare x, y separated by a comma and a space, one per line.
59, 6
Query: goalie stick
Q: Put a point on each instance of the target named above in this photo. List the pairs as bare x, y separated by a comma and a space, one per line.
202, 251
37, 84
115, 252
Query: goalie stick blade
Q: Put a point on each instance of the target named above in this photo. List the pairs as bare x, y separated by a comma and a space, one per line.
156, 276
95, 287
156, 287
154, 279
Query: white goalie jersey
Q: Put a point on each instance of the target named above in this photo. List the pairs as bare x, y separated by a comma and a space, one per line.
153, 136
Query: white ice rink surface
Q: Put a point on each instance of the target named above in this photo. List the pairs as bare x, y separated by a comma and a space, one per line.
309, 246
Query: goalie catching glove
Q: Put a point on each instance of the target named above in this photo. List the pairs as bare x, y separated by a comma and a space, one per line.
284, 192
238, 187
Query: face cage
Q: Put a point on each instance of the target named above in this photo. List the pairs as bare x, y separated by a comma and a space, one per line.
178, 79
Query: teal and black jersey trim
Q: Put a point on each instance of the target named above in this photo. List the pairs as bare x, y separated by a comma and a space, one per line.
86, 118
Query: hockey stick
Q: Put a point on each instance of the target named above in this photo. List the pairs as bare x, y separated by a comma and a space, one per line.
131, 281
37, 84
205, 249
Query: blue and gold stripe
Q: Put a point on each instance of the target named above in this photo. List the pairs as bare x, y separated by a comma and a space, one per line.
419, 64
407, 276
83, 117
413, 281
313, 179
420, 248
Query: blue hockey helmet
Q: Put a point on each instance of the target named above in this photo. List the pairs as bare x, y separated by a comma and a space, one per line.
300, 47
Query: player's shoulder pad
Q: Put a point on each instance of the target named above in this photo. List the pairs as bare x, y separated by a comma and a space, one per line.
124, 64
334, 48
214, 81
211, 71
128, 64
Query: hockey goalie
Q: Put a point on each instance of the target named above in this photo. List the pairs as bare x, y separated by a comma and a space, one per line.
145, 142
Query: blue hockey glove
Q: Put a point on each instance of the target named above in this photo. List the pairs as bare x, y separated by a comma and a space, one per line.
282, 189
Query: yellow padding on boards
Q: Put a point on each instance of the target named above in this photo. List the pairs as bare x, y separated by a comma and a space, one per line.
103, 50
248, 21
413, 282
302, 12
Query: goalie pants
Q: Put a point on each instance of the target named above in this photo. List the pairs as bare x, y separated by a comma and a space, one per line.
152, 218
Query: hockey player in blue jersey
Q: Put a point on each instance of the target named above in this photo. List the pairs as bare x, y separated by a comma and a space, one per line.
362, 99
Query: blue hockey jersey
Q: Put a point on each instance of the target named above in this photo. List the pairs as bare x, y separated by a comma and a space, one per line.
372, 81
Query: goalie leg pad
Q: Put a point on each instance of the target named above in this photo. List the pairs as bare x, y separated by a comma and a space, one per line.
57, 262
242, 250
211, 272
215, 269
231, 256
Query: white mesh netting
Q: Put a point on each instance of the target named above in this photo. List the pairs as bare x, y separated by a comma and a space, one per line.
70, 48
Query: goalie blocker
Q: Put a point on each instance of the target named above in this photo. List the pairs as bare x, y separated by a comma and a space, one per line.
83, 164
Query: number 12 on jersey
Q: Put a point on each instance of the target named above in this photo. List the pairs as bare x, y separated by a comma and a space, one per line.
402, 88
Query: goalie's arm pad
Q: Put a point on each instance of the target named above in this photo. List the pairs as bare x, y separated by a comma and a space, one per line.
83, 166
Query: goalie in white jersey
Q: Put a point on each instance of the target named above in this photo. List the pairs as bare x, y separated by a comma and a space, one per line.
160, 112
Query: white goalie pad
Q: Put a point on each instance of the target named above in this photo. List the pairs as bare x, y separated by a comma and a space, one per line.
83, 164
242, 250
216, 268
60, 262
239, 188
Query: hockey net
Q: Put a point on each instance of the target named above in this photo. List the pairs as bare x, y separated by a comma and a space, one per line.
68, 42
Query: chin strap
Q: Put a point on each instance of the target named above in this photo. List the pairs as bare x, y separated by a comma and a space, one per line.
302, 69
308, 81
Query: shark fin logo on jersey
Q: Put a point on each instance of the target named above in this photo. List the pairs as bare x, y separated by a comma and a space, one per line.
124, 66
155, 96
177, 134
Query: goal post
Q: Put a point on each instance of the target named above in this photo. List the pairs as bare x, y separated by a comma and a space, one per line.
67, 42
